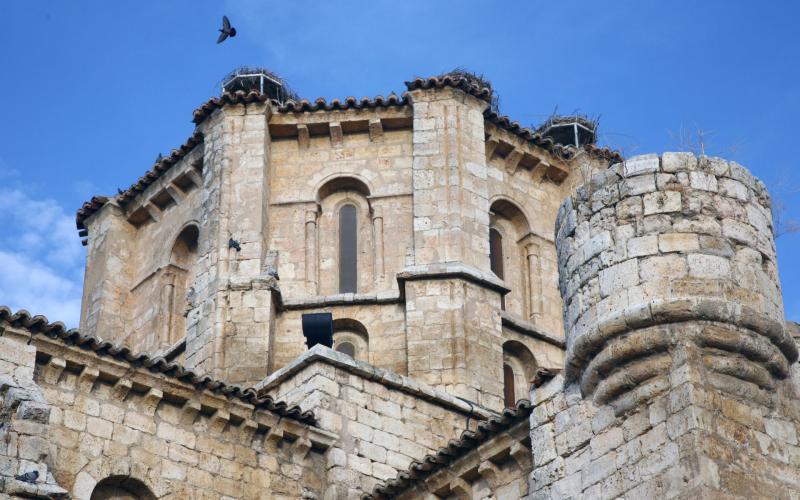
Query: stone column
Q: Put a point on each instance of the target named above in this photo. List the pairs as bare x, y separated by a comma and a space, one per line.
312, 257
534, 282
675, 340
377, 231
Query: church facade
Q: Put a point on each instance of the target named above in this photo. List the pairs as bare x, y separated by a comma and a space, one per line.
512, 315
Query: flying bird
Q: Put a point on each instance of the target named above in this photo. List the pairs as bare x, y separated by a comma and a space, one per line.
226, 30
28, 477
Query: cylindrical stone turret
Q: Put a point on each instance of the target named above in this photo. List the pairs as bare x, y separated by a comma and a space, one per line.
666, 255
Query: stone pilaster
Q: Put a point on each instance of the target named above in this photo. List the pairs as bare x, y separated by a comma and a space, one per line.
107, 279
451, 206
452, 299
228, 325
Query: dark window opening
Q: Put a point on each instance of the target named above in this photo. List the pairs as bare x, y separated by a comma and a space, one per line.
348, 249
496, 258
347, 348
508, 386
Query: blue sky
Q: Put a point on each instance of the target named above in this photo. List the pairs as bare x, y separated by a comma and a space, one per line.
93, 91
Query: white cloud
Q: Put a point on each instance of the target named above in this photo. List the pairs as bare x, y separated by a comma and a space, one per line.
41, 259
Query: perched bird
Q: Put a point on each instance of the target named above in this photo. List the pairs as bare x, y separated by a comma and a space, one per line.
226, 30
159, 157
271, 271
542, 376
28, 477
234, 244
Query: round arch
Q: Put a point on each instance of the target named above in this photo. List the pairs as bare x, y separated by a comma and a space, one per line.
350, 337
523, 365
339, 182
184, 246
511, 210
121, 488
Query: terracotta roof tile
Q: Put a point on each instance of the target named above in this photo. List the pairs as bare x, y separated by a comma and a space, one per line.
348, 103
438, 82
320, 104
558, 150
57, 330
455, 449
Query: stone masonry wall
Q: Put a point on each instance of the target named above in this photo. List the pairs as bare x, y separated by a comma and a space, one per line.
24, 419
384, 421
87, 419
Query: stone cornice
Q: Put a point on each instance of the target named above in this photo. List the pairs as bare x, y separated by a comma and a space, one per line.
452, 270
527, 328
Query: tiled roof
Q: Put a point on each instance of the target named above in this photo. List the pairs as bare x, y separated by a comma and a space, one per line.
41, 325
558, 150
238, 97
144, 181
458, 82
320, 104
455, 449
348, 103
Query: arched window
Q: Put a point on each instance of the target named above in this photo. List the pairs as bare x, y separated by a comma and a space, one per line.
348, 249
509, 394
519, 367
496, 258
496, 252
346, 348
178, 278
508, 260
350, 337
121, 488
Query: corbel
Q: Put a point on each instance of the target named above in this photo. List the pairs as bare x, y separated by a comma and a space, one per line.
512, 161
152, 210
53, 370
461, 488
247, 430
219, 420
195, 177
151, 400
121, 389
491, 146
375, 129
491, 473
87, 378
301, 448
274, 435
303, 136
175, 192
522, 455
190, 411
336, 133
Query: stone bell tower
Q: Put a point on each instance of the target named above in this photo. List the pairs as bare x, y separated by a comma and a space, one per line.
678, 366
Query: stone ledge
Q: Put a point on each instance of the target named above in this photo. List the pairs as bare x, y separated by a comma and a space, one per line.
346, 299
529, 329
450, 270
322, 354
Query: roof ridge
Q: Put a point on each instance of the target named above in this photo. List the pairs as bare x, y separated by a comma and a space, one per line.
39, 324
